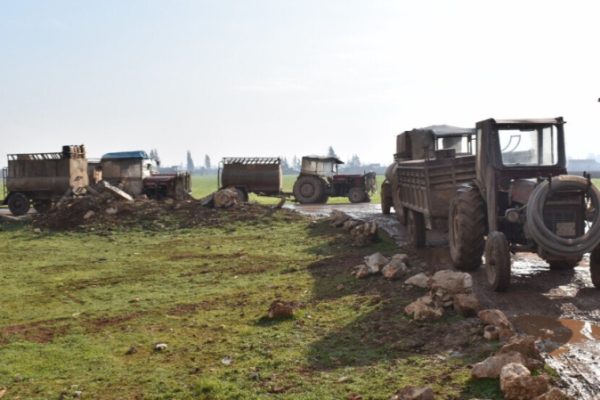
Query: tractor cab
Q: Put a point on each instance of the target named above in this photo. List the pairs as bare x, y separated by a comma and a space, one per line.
320, 166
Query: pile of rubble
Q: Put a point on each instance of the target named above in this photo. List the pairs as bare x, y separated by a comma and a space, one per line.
362, 233
391, 268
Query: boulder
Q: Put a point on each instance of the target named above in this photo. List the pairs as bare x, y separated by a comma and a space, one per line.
524, 344
517, 383
361, 271
281, 309
492, 366
491, 332
363, 234
413, 393
395, 269
375, 262
226, 198
496, 318
554, 394
466, 304
452, 282
420, 280
350, 224
400, 257
423, 309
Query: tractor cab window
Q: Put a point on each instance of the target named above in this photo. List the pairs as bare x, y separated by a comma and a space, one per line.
460, 144
528, 146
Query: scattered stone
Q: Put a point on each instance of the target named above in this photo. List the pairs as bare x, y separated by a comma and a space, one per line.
281, 309
554, 394
364, 234
340, 286
524, 344
350, 224
133, 350
492, 366
226, 198
375, 262
89, 214
496, 318
466, 305
452, 282
338, 218
77, 394
111, 211
37, 230
517, 383
420, 280
491, 332
423, 309
413, 393
361, 271
395, 269
160, 347
344, 379
226, 360
400, 257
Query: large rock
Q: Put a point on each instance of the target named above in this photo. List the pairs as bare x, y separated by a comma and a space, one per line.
226, 198
361, 271
413, 393
452, 282
491, 332
524, 344
496, 318
395, 269
554, 394
466, 304
517, 383
423, 309
492, 366
375, 262
364, 234
420, 280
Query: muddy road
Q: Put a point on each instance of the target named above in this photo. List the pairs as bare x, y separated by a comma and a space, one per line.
560, 307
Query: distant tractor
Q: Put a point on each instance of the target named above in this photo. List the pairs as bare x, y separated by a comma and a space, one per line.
137, 174
522, 201
319, 180
41, 179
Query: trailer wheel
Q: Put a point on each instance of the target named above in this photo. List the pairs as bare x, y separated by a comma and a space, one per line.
466, 229
357, 195
42, 206
416, 229
595, 267
18, 204
309, 189
386, 198
401, 213
497, 261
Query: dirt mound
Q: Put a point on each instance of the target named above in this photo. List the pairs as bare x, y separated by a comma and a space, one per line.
102, 213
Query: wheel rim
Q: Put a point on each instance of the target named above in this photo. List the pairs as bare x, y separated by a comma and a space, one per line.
307, 190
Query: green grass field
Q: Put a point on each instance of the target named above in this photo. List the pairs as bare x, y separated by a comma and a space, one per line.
83, 311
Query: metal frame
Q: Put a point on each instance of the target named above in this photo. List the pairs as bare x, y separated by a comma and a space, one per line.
251, 160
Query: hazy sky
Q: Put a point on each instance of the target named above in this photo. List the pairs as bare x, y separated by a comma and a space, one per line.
266, 78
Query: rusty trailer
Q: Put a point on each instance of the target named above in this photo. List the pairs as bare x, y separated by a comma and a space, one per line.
259, 175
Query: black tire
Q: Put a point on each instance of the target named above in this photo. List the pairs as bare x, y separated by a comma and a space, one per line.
18, 204
309, 189
595, 267
357, 195
416, 229
398, 208
563, 264
42, 206
324, 199
466, 229
497, 261
386, 199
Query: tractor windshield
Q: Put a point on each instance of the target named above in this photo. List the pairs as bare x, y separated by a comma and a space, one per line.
535, 145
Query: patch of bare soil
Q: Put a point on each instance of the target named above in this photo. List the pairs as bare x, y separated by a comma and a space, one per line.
38, 332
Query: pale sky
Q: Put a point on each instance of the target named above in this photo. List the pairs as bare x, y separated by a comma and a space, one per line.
269, 78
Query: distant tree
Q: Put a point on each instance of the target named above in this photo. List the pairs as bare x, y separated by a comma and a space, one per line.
154, 156
190, 162
354, 162
207, 161
331, 152
296, 163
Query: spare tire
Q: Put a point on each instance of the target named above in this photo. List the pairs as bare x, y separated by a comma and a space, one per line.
543, 236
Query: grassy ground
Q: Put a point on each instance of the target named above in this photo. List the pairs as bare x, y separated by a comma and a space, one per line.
204, 185
83, 312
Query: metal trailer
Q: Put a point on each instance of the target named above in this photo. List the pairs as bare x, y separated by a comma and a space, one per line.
40, 179
259, 175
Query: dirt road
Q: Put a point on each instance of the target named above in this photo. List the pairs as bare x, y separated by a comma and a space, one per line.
562, 308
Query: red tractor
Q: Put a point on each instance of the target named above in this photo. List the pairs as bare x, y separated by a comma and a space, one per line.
319, 180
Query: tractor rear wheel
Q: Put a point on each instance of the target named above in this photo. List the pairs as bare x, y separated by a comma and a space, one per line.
357, 195
466, 229
497, 261
595, 267
416, 229
309, 189
18, 204
324, 198
42, 206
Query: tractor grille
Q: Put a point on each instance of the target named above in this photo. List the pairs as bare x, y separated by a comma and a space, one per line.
564, 216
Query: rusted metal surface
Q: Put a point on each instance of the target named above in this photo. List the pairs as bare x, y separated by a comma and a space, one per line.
261, 175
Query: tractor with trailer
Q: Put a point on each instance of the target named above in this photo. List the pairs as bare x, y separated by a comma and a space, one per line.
41, 179
522, 200
319, 180
429, 164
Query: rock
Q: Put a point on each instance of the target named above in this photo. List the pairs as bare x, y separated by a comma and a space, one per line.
111, 211
492, 366
77, 394
226, 198
375, 262
281, 309
361, 271
554, 394
226, 360
423, 309
89, 214
496, 318
413, 393
133, 350
452, 282
524, 344
466, 304
37, 230
160, 347
400, 257
491, 332
350, 224
420, 280
338, 218
364, 234
517, 383
395, 269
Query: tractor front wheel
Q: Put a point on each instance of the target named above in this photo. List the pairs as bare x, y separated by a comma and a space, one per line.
466, 229
357, 195
309, 189
497, 261
18, 204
